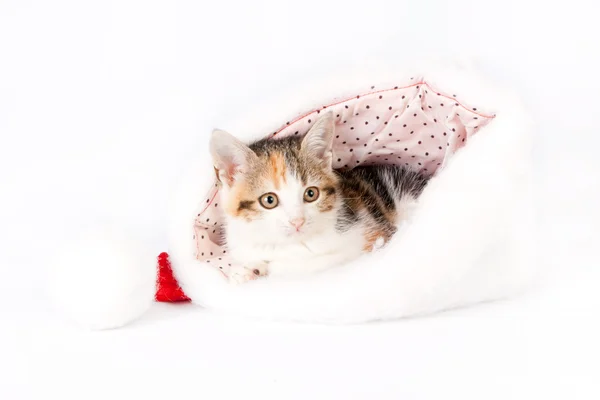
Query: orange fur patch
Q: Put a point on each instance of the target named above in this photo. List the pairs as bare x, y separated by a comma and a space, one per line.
371, 237
328, 196
238, 196
277, 169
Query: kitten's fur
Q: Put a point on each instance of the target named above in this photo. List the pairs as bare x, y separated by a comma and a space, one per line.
355, 211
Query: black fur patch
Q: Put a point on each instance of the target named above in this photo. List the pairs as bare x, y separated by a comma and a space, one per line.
246, 205
375, 190
329, 190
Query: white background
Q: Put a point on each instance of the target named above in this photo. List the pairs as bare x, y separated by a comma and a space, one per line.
103, 103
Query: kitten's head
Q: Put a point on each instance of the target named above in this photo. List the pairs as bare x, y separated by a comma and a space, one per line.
279, 189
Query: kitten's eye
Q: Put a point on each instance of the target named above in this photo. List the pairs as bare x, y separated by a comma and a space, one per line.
311, 194
269, 200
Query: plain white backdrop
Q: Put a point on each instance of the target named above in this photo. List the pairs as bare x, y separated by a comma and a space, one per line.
103, 103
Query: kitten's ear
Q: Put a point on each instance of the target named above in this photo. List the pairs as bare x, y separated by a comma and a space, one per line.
230, 156
318, 141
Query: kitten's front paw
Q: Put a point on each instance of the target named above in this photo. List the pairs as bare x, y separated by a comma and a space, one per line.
240, 274
379, 243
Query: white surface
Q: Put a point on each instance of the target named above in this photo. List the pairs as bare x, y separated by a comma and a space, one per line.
102, 105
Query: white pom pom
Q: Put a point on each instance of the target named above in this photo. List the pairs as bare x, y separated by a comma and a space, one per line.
102, 281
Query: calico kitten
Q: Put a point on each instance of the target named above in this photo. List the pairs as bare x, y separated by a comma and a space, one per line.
288, 211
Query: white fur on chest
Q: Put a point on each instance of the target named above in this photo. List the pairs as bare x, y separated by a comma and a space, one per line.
290, 256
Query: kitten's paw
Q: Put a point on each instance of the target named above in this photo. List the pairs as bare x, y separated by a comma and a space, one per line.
379, 243
240, 274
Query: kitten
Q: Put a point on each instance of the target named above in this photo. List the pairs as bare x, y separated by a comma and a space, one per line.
288, 211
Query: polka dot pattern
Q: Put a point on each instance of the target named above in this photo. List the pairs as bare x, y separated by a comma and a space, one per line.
412, 125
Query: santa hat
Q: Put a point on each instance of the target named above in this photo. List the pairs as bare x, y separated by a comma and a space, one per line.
105, 281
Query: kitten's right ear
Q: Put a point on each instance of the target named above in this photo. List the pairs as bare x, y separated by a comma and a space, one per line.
230, 156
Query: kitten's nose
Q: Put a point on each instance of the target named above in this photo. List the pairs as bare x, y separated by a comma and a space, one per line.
297, 222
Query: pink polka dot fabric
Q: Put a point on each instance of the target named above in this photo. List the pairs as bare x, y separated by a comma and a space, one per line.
414, 125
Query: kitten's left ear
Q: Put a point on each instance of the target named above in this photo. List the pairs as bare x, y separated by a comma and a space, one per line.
318, 141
